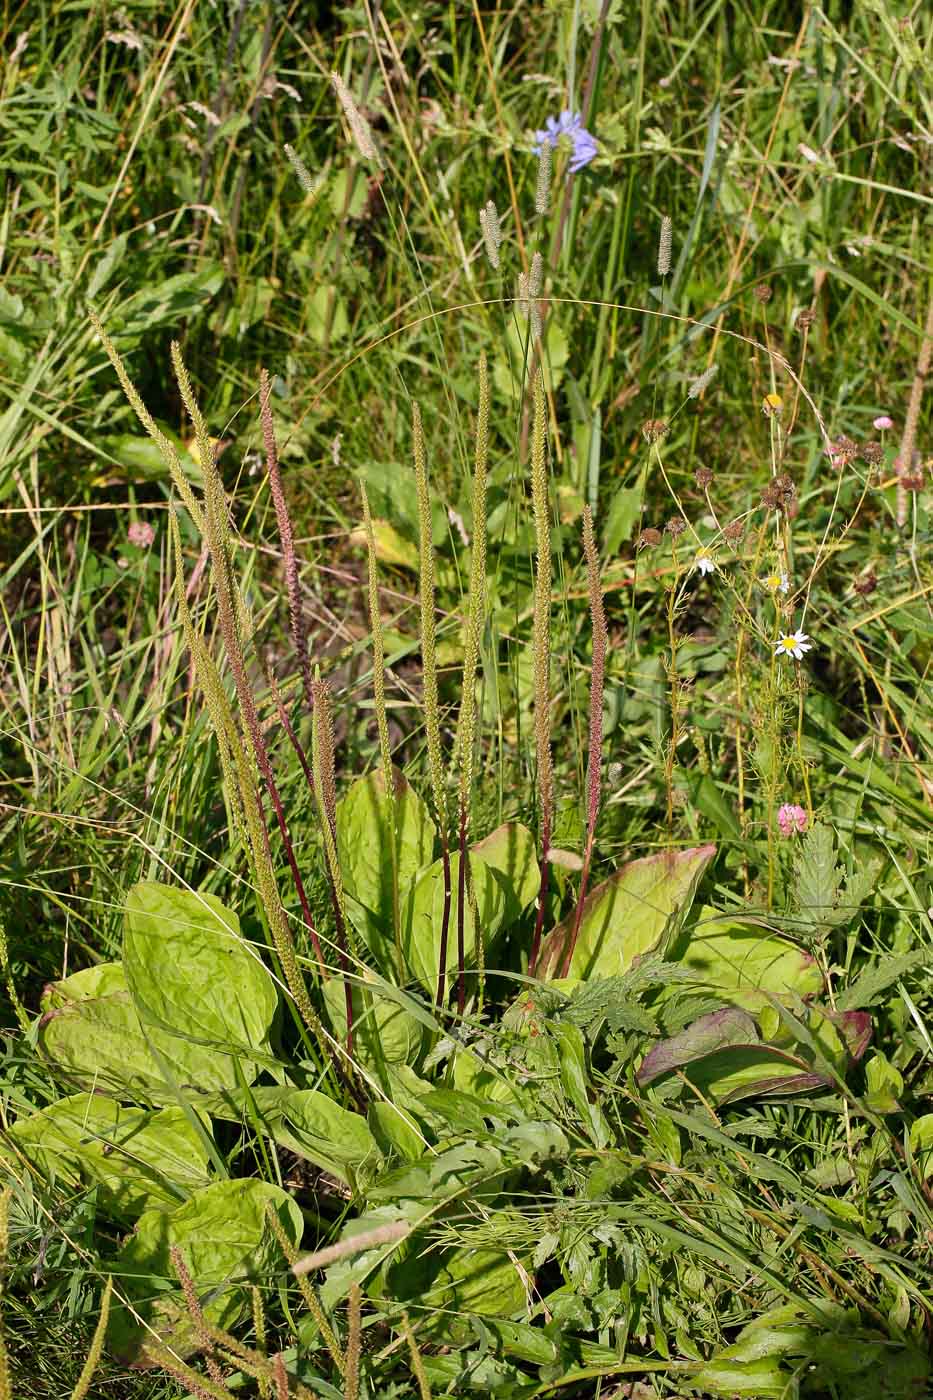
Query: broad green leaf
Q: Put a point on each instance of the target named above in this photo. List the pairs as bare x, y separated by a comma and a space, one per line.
395, 1131
141, 1159
305, 1121
511, 855
764, 1379
742, 962
638, 910
718, 1031
365, 853
226, 1242
100, 1043
192, 975
384, 1033
423, 918
751, 1072
482, 1282
98, 981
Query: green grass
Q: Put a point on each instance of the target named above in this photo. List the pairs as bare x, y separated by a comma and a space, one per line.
147, 180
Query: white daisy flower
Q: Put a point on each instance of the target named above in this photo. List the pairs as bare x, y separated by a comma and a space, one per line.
776, 582
793, 644
704, 561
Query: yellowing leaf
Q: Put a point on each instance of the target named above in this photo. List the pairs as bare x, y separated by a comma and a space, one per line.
391, 547
637, 910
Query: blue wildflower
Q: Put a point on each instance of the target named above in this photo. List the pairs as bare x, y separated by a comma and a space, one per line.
570, 125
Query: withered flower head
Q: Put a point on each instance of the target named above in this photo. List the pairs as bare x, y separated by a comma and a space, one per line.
779, 493
842, 451
654, 429
703, 477
675, 526
805, 318
648, 538
763, 293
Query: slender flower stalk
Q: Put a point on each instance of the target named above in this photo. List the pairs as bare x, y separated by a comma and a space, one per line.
193, 1304
702, 382
351, 1382
83, 1383
417, 1362
325, 787
382, 722
6, 1195
597, 679
905, 457
244, 799
311, 1300
281, 1377
541, 648
229, 608
166, 448
432, 715
466, 733
286, 535
259, 1332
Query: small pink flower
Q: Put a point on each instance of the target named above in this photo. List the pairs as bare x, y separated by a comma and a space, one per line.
141, 534
791, 818
883, 422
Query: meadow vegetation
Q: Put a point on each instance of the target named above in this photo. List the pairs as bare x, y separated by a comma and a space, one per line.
466, 605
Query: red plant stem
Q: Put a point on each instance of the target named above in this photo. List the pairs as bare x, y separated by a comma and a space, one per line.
286, 537
299, 884
594, 757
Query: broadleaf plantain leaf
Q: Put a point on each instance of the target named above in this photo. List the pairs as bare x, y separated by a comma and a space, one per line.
638, 910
